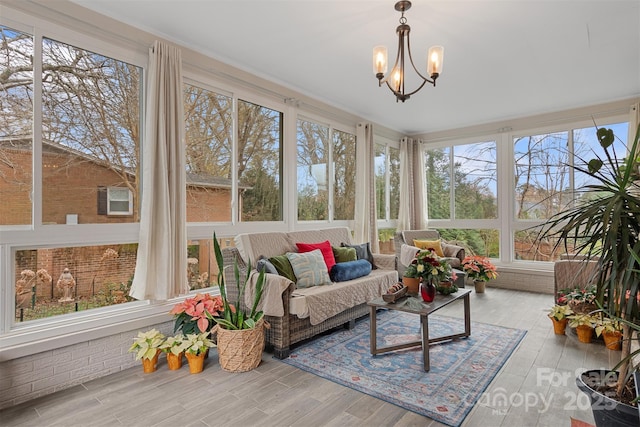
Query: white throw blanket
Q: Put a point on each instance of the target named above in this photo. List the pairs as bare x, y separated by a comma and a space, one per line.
271, 303
407, 254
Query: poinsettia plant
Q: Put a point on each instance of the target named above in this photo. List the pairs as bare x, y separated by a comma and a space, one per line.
147, 344
479, 268
196, 315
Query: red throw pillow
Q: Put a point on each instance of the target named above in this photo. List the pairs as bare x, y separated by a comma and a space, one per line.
325, 248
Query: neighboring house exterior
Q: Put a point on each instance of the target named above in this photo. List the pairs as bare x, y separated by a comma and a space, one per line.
81, 189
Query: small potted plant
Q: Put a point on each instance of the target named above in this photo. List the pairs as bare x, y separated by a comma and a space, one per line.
479, 269
411, 279
195, 347
584, 325
611, 331
146, 346
558, 315
174, 348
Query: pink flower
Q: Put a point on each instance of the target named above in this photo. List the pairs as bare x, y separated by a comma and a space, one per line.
200, 309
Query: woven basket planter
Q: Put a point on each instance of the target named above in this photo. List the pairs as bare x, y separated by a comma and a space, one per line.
240, 350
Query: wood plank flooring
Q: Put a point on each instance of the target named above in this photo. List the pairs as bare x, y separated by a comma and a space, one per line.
536, 387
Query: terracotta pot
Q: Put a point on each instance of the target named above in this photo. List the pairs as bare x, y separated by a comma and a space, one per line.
479, 285
412, 284
174, 361
559, 326
150, 365
196, 362
585, 333
613, 340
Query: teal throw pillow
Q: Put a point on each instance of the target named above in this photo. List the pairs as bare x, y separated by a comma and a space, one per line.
309, 268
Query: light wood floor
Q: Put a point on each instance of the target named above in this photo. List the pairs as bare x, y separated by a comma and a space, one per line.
542, 370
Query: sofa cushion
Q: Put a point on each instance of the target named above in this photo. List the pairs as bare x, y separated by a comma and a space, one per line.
283, 266
325, 248
344, 254
350, 270
266, 265
310, 268
429, 244
363, 251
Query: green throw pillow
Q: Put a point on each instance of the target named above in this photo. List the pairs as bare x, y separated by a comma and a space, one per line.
282, 264
344, 254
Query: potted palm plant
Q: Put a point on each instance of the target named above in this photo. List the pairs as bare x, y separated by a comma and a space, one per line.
604, 225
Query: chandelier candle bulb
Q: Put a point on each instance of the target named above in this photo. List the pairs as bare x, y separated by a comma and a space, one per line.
380, 60
434, 61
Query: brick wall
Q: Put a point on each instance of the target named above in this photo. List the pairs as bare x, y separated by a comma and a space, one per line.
44, 373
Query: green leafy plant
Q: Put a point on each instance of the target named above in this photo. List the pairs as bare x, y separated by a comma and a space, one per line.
175, 344
560, 312
146, 344
233, 316
604, 225
606, 324
582, 320
197, 343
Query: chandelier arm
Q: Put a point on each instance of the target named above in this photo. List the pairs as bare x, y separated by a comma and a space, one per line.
386, 78
414, 65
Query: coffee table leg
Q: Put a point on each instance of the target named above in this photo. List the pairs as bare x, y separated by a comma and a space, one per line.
372, 330
467, 316
425, 342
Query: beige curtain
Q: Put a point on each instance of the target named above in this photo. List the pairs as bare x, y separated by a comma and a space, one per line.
412, 213
365, 228
161, 265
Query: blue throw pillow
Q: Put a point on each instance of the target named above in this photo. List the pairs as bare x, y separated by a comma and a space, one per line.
266, 265
349, 270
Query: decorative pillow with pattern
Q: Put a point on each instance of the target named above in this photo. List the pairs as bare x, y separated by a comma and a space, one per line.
309, 268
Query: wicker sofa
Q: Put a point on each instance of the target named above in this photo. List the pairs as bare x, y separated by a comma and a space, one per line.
288, 328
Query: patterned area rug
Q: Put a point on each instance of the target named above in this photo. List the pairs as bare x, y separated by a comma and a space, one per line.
460, 370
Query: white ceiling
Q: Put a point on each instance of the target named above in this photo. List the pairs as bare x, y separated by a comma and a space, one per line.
503, 59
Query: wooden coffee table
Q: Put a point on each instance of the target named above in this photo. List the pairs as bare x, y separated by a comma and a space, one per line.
415, 305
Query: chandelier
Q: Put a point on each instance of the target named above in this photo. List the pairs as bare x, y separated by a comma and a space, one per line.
395, 80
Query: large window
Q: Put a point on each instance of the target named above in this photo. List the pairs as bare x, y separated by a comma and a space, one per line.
313, 171
259, 162
16, 124
69, 152
546, 183
90, 133
326, 165
462, 186
209, 154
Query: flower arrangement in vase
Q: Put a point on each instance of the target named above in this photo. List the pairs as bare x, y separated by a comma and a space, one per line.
432, 270
146, 346
480, 269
